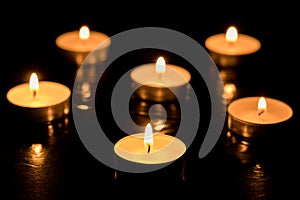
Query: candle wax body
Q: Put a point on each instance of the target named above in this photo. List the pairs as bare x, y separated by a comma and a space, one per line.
245, 109
242, 46
71, 41
49, 94
165, 149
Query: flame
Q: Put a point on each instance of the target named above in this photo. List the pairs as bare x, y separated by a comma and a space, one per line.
160, 67
84, 33
262, 105
231, 34
34, 82
148, 137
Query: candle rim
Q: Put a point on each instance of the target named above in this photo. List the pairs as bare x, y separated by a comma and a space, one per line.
254, 100
211, 41
41, 83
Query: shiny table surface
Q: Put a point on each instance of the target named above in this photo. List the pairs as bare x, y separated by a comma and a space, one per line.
49, 161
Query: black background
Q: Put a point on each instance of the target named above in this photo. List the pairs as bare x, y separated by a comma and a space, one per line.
28, 34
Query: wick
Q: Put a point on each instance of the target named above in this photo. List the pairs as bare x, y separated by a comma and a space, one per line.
148, 151
34, 93
261, 112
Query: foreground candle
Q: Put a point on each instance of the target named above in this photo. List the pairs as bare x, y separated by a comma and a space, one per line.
159, 81
149, 148
78, 44
40, 101
231, 48
251, 117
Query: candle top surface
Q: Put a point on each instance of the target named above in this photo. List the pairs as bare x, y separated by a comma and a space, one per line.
165, 149
174, 76
48, 94
71, 41
245, 109
244, 45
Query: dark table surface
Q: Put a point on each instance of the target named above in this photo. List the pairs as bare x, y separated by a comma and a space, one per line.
49, 161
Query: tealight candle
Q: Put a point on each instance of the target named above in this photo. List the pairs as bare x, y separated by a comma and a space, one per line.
149, 148
251, 117
40, 101
231, 48
78, 44
160, 81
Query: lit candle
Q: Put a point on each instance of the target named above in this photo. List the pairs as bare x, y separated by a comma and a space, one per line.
149, 148
40, 101
231, 48
251, 117
78, 44
159, 81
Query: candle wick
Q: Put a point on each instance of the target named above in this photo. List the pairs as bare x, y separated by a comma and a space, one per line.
148, 151
261, 112
34, 93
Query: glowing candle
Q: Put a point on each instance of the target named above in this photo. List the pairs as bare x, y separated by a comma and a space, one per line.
149, 148
78, 44
40, 100
251, 116
231, 48
158, 81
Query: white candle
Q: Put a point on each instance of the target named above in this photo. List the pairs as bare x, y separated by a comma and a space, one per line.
149, 148
41, 100
228, 49
158, 77
81, 42
248, 115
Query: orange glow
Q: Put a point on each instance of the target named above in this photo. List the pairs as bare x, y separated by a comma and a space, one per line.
34, 83
84, 33
262, 105
148, 138
160, 67
231, 34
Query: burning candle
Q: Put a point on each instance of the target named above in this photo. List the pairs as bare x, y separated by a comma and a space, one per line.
78, 44
149, 148
231, 48
251, 117
40, 101
160, 81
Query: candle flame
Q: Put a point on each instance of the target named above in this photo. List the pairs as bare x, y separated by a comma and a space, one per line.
34, 83
84, 33
148, 137
231, 34
262, 105
160, 67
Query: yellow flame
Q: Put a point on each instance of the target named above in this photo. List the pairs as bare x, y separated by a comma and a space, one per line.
160, 67
231, 34
262, 104
84, 33
34, 82
148, 137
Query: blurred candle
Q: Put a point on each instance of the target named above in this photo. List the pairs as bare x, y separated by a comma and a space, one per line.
251, 117
159, 81
40, 101
149, 148
231, 48
78, 44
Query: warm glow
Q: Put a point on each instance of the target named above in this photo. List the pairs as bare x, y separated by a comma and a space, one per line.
84, 33
148, 137
34, 82
230, 90
231, 34
262, 105
160, 65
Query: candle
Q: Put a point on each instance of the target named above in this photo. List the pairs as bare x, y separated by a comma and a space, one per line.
149, 148
40, 101
231, 48
160, 81
251, 117
78, 44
